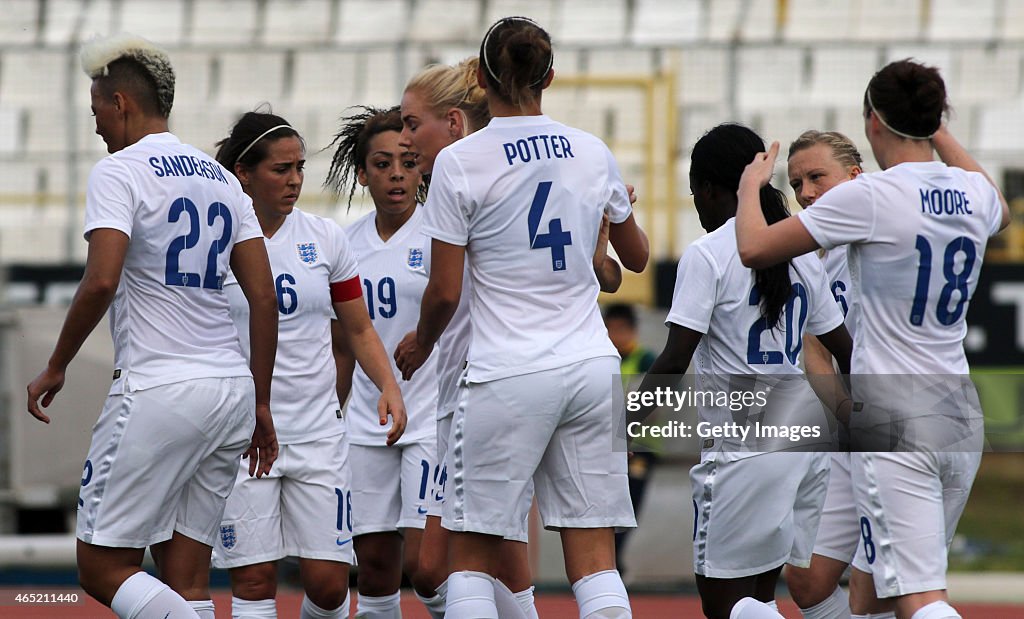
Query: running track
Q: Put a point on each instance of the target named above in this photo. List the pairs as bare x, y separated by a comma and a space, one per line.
549, 606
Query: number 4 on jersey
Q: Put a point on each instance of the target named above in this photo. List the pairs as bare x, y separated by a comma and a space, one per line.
555, 238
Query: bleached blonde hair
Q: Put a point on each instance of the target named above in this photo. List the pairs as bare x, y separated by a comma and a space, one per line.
98, 54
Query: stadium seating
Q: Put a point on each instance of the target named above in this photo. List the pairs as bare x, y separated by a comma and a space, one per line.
819, 20
224, 23
581, 22
297, 22
956, 20
781, 66
839, 74
887, 20
666, 22
62, 17
19, 23
161, 21
372, 22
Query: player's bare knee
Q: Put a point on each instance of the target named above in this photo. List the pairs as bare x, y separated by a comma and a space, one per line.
715, 609
254, 582
805, 587
100, 584
327, 593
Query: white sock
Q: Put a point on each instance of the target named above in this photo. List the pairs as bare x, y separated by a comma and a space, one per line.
382, 607
772, 605
141, 596
887, 615
600, 591
835, 606
749, 608
434, 604
203, 608
309, 610
253, 609
471, 596
936, 610
525, 598
506, 603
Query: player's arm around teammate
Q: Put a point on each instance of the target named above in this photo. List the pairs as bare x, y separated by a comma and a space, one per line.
817, 162
200, 410
892, 221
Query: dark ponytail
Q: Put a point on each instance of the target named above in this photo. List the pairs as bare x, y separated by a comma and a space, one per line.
247, 143
909, 97
516, 57
773, 283
719, 158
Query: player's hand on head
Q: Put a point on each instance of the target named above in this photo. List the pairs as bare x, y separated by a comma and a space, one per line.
762, 167
45, 386
262, 452
409, 356
391, 404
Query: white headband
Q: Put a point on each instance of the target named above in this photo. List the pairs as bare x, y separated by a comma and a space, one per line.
881, 119
483, 49
261, 136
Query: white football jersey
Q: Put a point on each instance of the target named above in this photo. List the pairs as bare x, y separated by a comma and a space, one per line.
183, 213
308, 253
394, 276
453, 351
525, 196
715, 295
917, 234
837, 271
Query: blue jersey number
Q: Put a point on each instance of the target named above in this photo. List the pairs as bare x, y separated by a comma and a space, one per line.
555, 238
794, 332
173, 276
287, 299
838, 288
869, 544
387, 300
955, 280
344, 510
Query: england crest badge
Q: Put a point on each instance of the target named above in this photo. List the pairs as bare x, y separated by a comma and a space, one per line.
227, 536
307, 252
415, 258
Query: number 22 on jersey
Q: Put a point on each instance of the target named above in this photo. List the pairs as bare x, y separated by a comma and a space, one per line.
211, 280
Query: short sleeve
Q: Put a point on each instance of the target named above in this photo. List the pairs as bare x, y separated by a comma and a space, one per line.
109, 199
618, 207
844, 215
343, 260
696, 291
992, 195
248, 226
824, 315
445, 217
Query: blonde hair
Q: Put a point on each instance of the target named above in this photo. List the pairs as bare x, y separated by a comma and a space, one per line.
446, 87
843, 149
151, 64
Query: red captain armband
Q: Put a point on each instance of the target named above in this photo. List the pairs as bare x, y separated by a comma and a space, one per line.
346, 290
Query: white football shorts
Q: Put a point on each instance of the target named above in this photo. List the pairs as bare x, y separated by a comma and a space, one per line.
390, 486
839, 531
164, 460
552, 427
756, 513
908, 505
302, 509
